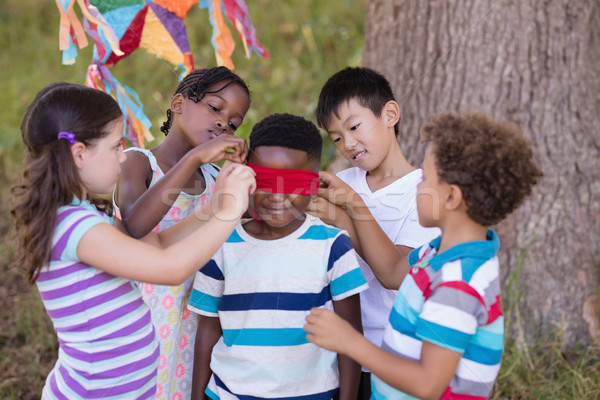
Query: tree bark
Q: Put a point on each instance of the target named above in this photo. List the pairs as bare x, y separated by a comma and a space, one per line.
536, 63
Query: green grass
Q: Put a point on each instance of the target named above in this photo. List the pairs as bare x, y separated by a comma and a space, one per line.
308, 41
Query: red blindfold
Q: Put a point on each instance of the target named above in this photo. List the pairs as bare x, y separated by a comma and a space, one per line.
291, 181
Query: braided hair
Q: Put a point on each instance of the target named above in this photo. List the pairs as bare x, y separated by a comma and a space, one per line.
195, 84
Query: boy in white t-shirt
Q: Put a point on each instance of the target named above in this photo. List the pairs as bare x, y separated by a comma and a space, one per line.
358, 110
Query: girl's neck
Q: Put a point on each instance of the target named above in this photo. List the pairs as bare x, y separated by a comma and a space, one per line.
171, 150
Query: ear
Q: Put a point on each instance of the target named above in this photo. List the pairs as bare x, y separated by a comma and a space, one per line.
78, 151
454, 198
177, 103
391, 113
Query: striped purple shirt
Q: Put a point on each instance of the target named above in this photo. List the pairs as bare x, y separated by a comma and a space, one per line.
107, 345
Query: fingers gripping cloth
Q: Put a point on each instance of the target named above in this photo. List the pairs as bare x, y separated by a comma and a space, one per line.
291, 181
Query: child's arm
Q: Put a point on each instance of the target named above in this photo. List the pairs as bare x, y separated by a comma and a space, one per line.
104, 247
208, 334
388, 261
143, 207
349, 309
426, 378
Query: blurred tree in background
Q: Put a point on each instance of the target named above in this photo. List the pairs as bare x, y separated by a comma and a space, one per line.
537, 64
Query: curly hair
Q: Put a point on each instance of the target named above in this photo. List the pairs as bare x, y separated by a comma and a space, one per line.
368, 87
195, 84
490, 161
50, 177
289, 131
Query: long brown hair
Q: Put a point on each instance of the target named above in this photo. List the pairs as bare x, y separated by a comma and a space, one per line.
50, 176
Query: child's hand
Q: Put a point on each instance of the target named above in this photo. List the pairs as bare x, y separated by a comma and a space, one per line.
322, 208
328, 330
336, 191
233, 187
223, 147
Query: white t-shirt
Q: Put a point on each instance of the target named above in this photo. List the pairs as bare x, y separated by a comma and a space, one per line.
394, 207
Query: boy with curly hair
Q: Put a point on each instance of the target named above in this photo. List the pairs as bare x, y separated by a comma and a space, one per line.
444, 338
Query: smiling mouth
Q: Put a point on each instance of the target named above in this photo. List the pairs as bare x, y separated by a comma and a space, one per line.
275, 210
358, 155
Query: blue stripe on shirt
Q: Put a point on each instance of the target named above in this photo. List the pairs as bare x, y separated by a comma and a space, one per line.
483, 355
401, 324
320, 232
442, 336
264, 337
340, 246
212, 270
234, 238
274, 301
204, 302
345, 283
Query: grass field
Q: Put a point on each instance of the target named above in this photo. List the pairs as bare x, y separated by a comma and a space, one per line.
308, 41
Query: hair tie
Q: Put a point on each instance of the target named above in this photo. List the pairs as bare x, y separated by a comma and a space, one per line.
70, 136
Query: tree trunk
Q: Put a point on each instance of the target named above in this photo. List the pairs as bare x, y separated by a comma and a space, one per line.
535, 63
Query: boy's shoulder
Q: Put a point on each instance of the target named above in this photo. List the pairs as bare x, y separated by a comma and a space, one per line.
319, 230
357, 179
462, 262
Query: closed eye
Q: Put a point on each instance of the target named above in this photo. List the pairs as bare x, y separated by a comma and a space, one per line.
213, 108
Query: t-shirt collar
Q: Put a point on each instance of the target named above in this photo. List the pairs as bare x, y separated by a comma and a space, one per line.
478, 248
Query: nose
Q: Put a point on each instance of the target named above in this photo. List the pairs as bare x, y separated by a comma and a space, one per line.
277, 197
221, 126
349, 143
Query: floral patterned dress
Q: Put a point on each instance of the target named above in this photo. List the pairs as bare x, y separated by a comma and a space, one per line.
174, 324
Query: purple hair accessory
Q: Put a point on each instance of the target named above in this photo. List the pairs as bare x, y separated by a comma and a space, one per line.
70, 136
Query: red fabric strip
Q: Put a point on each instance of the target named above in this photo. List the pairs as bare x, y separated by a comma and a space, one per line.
291, 181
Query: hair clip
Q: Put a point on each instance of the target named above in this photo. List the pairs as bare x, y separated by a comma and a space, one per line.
70, 136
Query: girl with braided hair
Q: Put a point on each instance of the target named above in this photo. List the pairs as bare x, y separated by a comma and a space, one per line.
162, 186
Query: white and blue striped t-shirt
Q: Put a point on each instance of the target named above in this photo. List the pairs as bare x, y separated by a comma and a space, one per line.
107, 345
262, 290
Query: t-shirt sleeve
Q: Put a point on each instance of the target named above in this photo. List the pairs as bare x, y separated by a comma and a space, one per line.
207, 291
346, 278
73, 224
449, 317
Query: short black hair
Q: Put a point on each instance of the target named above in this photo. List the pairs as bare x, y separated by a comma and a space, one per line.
289, 131
491, 162
365, 85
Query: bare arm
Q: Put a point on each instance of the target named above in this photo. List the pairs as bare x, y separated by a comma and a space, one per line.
208, 334
426, 378
143, 207
105, 247
388, 261
349, 309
